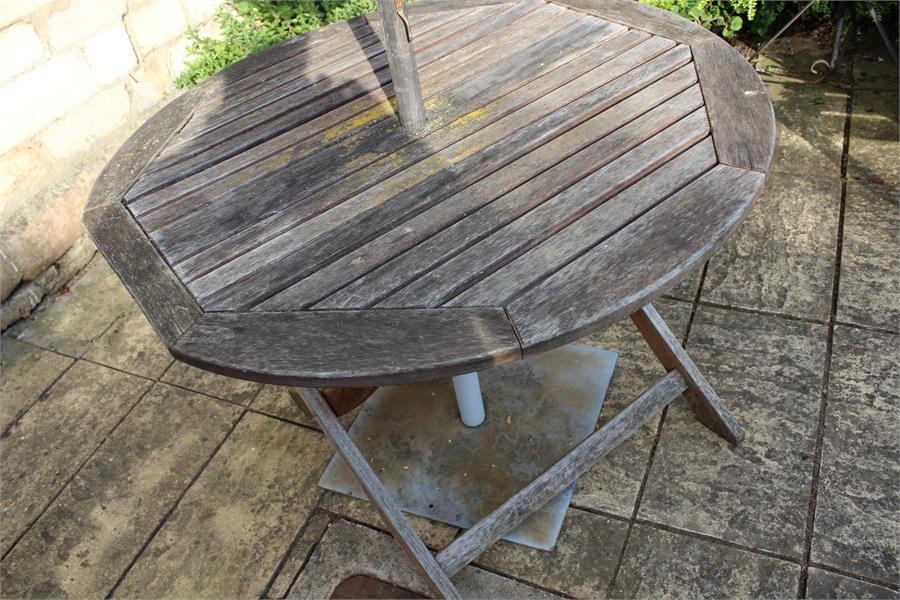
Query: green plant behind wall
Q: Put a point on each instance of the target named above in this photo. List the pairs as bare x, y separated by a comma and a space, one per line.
249, 25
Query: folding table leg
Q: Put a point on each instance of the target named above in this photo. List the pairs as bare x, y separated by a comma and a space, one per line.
403, 532
706, 403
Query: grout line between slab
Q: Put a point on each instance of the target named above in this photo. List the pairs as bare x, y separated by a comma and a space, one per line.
42, 396
77, 470
655, 445
317, 511
165, 518
803, 583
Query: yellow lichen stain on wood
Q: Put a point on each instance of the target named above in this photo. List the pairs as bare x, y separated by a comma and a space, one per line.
360, 120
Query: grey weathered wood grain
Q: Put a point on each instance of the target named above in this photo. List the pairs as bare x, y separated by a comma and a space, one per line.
490, 96
588, 231
138, 150
381, 281
395, 171
165, 301
676, 132
351, 117
442, 5
704, 400
386, 506
641, 16
274, 112
436, 219
638, 263
740, 111
366, 215
349, 348
555, 479
222, 81
330, 69
356, 163
402, 60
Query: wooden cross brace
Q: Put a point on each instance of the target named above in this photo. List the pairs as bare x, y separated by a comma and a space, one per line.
683, 377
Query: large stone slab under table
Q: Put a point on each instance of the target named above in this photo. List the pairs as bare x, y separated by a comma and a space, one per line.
436, 467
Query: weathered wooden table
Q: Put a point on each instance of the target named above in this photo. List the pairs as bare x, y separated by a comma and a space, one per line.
580, 158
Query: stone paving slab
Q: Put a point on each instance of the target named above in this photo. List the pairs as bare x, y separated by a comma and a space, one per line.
70, 321
27, 372
809, 122
237, 521
769, 372
99, 523
274, 400
435, 535
874, 132
857, 526
663, 564
233, 390
782, 259
50, 442
824, 584
300, 551
581, 564
131, 345
612, 485
349, 549
869, 291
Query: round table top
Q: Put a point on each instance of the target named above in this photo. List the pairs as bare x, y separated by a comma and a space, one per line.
581, 157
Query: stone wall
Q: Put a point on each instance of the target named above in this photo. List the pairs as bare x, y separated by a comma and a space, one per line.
76, 77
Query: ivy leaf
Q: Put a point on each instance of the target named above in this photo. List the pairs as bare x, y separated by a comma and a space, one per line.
735, 24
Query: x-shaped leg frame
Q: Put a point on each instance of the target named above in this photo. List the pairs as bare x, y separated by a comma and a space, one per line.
683, 377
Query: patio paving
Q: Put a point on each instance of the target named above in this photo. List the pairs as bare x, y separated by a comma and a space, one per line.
127, 474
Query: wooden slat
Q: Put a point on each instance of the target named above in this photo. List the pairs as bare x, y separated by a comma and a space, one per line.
273, 83
480, 89
357, 61
347, 268
481, 259
641, 16
554, 480
349, 348
706, 403
740, 111
636, 264
370, 213
381, 281
275, 185
273, 193
138, 150
590, 230
279, 110
351, 117
162, 297
402, 61
386, 506
442, 5
235, 74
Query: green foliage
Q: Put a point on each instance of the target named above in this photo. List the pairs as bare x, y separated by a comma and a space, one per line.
760, 17
247, 26
722, 16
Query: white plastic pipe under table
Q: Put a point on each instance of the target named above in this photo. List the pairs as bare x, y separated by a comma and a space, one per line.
468, 398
